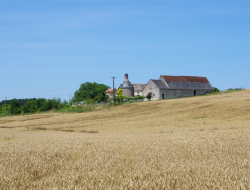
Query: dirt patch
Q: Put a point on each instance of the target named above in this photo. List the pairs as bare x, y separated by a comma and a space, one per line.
64, 130
6, 127
40, 128
85, 131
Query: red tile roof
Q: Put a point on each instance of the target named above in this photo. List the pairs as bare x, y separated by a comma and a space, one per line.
108, 90
184, 79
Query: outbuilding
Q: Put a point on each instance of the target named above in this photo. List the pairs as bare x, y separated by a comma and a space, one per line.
138, 89
167, 87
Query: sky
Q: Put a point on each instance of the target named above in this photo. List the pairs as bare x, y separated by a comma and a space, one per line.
49, 48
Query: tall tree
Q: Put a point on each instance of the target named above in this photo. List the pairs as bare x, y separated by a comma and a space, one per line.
91, 91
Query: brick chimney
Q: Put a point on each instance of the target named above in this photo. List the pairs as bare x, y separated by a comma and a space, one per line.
126, 76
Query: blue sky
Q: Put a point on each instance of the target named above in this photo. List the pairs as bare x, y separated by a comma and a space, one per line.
48, 48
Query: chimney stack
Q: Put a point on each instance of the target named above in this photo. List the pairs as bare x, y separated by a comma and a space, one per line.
126, 76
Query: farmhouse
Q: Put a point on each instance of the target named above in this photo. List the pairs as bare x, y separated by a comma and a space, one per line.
177, 86
168, 87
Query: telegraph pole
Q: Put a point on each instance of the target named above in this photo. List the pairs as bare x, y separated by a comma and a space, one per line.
113, 88
5, 104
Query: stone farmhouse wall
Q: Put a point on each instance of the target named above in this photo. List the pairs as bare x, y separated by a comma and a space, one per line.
151, 87
136, 93
157, 93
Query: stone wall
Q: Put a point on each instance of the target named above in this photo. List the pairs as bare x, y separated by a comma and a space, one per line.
128, 91
151, 87
181, 93
136, 93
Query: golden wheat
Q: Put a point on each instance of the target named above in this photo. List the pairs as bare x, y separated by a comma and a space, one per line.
189, 143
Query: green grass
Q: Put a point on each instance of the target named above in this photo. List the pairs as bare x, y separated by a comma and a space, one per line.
7, 138
224, 92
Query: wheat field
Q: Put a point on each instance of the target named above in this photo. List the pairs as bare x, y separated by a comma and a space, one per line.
189, 143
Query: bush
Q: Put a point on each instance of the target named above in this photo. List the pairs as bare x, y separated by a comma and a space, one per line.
119, 96
216, 89
90, 101
149, 95
140, 97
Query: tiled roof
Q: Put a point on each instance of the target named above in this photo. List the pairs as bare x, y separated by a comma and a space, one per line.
139, 87
108, 90
186, 82
168, 78
189, 85
160, 84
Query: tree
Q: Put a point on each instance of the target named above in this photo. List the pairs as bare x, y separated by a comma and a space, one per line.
33, 105
47, 105
29, 107
15, 108
4, 108
91, 91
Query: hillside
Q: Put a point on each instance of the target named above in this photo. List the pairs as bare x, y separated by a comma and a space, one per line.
189, 143
185, 114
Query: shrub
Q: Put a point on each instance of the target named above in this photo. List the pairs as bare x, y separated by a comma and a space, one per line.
149, 95
119, 96
216, 89
140, 97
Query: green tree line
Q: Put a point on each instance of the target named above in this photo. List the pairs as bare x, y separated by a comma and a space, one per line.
20, 101
33, 105
89, 93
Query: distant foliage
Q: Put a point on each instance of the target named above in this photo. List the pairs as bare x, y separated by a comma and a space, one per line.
15, 108
20, 101
216, 89
3, 109
91, 91
33, 105
234, 89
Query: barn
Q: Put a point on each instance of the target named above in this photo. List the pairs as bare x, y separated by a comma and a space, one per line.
167, 87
